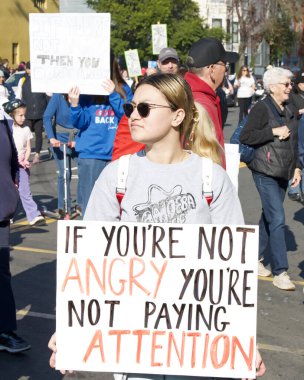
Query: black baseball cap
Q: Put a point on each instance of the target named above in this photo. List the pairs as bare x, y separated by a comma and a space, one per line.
299, 78
208, 51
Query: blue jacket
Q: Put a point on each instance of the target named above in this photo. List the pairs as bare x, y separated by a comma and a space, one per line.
59, 109
97, 124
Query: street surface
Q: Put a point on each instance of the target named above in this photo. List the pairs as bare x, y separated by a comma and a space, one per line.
33, 265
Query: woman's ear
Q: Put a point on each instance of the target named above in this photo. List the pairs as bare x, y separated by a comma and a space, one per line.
178, 117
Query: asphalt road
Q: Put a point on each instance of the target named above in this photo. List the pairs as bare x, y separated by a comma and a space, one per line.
33, 264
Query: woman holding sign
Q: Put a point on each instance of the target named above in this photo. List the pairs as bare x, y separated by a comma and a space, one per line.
97, 118
164, 184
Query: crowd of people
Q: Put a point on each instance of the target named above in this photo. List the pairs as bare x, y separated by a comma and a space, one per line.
167, 122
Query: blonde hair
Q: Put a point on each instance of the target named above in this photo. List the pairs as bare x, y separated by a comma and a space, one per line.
201, 138
197, 129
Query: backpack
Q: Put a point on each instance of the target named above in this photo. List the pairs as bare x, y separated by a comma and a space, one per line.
123, 170
246, 151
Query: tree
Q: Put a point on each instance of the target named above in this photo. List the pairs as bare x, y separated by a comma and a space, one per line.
132, 20
279, 35
252, 16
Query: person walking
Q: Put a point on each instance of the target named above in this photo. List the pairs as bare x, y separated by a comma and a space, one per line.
97, 118
245, 85
36, 104
9, 340
207, 61
272, 129
22, 138
60, 130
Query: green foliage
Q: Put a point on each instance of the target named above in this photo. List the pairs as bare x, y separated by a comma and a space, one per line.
132, 20
280, 37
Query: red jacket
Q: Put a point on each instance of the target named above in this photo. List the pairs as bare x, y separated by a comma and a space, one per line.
123, 143
207, 97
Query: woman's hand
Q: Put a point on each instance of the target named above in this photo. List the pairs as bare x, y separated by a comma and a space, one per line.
73, 96
109, 86
55, 143
281, 132
260, 366
296, 177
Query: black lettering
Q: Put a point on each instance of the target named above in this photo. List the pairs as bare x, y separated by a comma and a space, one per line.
76, 237
109, 238
67, 239
90, 312
216, 318
172, 241
210, 247
112, 307
246, 288
187, 277
197, 296
220, 287
135, 241
244, 231
156, 240
149, 312
119, 240
220, 244
71, 309
231, 287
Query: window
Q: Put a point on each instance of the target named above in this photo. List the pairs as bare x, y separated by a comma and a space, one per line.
216, 23
228, 25
235, 32
15, 53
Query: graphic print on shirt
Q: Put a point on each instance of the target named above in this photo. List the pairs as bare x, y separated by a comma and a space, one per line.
165, 207
105, 116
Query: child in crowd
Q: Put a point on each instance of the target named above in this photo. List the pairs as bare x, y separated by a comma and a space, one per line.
161, 113
22, 137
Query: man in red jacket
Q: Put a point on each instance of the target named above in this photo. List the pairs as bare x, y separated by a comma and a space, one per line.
207, 62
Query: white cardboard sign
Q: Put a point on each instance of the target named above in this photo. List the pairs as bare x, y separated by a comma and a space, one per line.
159, 37
133, 63
177, 299
69, 49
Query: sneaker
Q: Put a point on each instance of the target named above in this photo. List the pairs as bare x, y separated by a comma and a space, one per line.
262, 271
12, 343
37, 221
282, 281
36, 159
294, 197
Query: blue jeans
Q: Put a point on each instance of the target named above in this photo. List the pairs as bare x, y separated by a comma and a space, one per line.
58, 156
89, 170
272, 223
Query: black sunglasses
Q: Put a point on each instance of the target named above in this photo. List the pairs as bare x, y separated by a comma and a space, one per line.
143, 109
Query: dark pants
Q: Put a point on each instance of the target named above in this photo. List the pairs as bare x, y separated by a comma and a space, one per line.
36, 126
7, 301
244, 104
272, 223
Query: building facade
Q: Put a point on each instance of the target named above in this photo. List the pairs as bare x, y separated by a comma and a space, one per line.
14, 26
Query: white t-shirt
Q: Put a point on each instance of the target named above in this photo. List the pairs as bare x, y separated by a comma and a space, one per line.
245, 89
21, 136
165, 193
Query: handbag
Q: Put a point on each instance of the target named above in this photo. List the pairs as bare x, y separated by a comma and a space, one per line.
246, 151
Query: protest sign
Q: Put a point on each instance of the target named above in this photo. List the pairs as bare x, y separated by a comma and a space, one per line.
69, 49
176, 299
159, 37
133, 63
